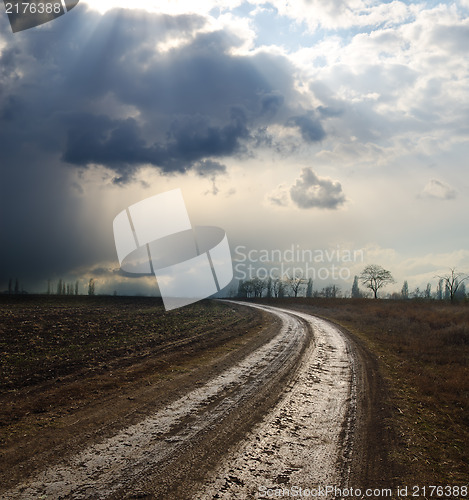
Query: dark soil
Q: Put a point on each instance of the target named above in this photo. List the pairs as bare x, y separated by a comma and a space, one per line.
130, 359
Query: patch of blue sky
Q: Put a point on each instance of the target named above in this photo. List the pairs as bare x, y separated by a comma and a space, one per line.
243, 10
273, 29
428, 3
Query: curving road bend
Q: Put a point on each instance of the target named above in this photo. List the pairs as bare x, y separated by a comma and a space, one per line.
303, 440
306, 440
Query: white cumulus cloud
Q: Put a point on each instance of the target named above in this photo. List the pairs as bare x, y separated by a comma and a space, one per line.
309, 191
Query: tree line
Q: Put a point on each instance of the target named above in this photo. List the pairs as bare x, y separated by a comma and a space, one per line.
450, 286
62, 287
70, 288
14, 289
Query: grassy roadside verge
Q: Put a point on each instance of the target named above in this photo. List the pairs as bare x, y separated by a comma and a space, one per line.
423, 354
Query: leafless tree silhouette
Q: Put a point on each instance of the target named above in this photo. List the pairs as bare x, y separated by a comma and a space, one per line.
375, 277
453, 281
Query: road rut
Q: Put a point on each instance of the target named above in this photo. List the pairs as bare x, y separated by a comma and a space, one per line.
306, 440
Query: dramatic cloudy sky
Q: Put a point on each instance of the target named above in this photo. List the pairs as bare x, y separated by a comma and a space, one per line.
320, 124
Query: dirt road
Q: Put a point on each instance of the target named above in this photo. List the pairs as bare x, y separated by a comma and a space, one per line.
306, 440
284, 415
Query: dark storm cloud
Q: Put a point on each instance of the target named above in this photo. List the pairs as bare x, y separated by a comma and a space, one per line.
310, 127
209, 168
198, 102
90, 89
311, 191
271, 103
192, 103
118, 144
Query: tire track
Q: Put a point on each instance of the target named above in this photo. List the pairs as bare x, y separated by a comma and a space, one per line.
306, 440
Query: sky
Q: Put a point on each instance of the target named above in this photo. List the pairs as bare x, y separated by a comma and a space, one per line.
336, 127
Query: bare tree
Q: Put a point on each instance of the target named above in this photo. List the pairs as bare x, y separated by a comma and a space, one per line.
453, 281
276, 286
248, 287
281, 289
295, 283
330, 292
259, 286
375, 277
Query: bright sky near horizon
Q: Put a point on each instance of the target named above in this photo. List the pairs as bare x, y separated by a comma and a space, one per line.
315, 124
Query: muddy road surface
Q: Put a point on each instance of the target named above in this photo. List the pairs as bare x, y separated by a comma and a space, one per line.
284, 415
